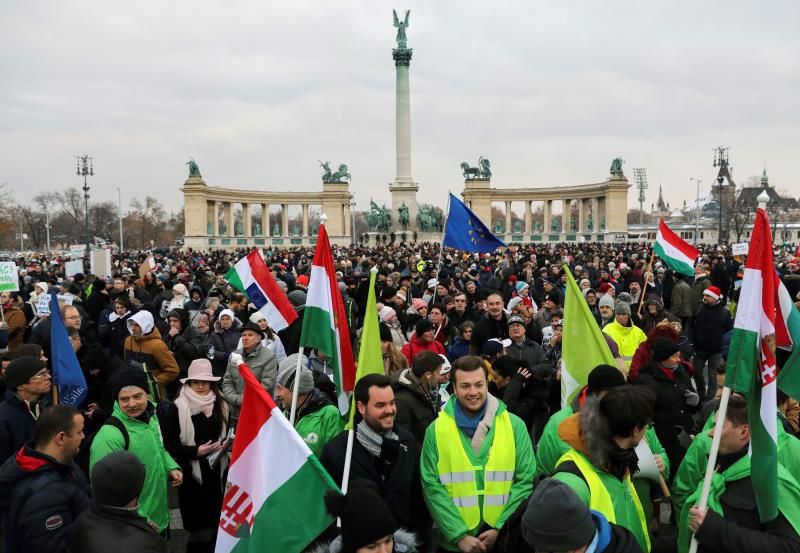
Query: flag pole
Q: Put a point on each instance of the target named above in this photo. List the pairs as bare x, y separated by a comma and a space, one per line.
712, 456
293, 412
644, 288
441, 251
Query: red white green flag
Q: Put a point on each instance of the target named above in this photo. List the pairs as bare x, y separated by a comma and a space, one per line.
274, 497
752, 368
674, 251
325, 321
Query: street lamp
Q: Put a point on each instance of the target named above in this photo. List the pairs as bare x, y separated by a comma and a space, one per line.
696, 210
721, 161
119, 212
85, 169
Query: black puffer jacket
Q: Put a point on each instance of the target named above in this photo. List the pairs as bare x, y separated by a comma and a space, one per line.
39, 498
101, 529
671, 412
188, 344
16, 425
708, 326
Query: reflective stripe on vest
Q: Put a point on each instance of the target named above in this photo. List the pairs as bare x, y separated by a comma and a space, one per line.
459, 476
599, 498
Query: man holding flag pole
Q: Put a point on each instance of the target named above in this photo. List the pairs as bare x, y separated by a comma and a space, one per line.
373, 447
752, 503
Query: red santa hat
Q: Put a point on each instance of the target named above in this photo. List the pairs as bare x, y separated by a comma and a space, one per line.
713, 291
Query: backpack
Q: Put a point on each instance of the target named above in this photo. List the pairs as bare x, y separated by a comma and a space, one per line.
83, 456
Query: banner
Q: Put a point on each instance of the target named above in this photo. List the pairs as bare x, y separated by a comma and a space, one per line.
43, 305
100, 262
9, 278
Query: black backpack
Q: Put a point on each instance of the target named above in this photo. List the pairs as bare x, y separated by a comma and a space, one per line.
84, 454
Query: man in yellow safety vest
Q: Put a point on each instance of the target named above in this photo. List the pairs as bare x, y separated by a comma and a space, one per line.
477, 463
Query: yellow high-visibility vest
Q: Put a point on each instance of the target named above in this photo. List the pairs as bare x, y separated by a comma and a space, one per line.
459, 476
600, 499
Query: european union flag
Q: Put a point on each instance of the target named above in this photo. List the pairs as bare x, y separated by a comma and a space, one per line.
464, 231
67, 373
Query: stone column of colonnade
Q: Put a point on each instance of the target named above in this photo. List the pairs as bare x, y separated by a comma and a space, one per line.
528, 217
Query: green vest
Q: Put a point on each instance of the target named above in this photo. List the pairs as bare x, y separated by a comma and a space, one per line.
458, 475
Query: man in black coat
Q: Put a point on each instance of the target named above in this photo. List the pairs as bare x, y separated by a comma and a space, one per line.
27, 380
112, 518
493, 325
710, 323
41, 490
383, 452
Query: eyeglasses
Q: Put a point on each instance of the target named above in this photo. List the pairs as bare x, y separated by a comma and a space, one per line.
40, 375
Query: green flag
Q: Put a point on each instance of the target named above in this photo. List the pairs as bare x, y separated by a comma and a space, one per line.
370, 355
583, 346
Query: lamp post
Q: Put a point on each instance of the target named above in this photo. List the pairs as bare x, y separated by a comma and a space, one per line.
696, 210
721, 161
119, 211
47, 226
85, 169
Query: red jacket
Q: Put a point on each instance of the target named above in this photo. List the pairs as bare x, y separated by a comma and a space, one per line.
414, 346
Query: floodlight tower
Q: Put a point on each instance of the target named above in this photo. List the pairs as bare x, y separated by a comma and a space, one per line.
640, 177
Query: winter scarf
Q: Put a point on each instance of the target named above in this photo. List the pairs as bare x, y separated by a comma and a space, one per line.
371, 440
190, 403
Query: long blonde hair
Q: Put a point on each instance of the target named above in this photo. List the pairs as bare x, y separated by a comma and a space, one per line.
393, 360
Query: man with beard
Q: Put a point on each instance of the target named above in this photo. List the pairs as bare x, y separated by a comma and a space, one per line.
383, 452
601, 461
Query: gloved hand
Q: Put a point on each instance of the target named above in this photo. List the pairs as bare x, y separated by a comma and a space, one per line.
236, 359
692, 399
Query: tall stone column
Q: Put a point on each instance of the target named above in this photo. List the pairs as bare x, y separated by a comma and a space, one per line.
305, 220
528, 217
284, 220
582, 215
265, 220
565, 214
228, 218
403, 189
246, 224
548, 213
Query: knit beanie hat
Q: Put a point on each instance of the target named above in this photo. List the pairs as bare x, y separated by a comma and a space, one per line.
556, 519
297, 298
521, 285
20, 370
604, 377
117, 479
130, 377
625, 297
386, 313
256, 316
386, 333
287, 370
606, 301
604, 287
422, 326
365, 516
622, 308
663, 349
418, 303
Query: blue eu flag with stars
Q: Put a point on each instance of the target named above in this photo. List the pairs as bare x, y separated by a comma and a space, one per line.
464, 231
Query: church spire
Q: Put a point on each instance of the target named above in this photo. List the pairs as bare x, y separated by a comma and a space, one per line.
660, 204
764, 178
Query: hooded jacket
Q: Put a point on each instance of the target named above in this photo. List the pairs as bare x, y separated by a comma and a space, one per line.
404, 541
151, 351
144, 435
415, 412
39, 498
589, 435
318, 421
415, 346
188, 344
225, 342
15, 318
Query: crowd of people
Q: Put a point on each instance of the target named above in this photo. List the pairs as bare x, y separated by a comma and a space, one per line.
462, 444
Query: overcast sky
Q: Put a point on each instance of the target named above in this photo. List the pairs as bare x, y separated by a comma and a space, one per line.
257, 92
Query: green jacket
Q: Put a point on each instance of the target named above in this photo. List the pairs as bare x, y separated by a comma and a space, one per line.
624, 507
147, 445
444, 513
693, 467
788, 498
552, 447
319, 427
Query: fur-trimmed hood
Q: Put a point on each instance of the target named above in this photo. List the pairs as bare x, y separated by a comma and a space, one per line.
404, 542
588, 432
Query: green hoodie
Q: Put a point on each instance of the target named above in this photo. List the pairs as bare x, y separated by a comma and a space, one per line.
147, 445
444, 513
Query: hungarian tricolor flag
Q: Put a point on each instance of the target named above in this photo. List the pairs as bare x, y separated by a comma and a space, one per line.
251, 276
274, 497
752, 369
676, 253
325, 321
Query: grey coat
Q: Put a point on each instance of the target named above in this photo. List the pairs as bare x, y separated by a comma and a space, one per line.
265, 368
